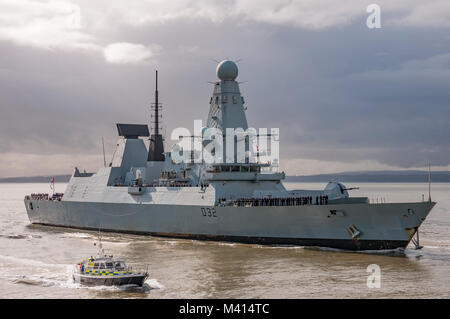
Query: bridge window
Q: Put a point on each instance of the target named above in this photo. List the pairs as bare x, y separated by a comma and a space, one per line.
120, 266
254, 169
225, 168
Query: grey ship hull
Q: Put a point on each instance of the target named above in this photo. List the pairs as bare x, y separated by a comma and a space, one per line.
382, 226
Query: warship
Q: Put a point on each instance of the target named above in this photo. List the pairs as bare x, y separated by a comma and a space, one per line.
151, 192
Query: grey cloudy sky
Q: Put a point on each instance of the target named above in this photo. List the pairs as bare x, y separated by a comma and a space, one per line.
345, 97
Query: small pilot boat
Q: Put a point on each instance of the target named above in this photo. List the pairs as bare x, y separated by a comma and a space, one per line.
105, 270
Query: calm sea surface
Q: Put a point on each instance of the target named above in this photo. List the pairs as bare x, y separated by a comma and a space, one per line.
37, 261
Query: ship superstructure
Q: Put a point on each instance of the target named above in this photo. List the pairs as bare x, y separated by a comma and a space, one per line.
239, 197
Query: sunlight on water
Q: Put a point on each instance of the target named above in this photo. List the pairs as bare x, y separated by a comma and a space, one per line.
37, 261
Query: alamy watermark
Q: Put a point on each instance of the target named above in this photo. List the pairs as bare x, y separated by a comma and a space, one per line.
212, 146
374, 279
374, 19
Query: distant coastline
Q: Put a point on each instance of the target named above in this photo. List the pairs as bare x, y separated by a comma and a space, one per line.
36, 179
376, 177
345, 177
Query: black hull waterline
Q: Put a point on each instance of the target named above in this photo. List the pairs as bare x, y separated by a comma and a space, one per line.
347, 244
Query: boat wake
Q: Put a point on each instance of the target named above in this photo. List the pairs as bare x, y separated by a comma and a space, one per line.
67, 282
60, 276
20, 236
29, 262
77, 235
154, 284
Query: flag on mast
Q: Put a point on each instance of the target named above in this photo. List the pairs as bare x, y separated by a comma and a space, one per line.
52, 183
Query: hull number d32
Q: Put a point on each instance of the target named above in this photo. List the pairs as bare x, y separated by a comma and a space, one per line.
208, 212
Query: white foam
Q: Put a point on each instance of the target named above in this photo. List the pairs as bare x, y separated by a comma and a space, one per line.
226, 244
40, 280
397, 251
77, 235
154, 284
65, 281
30, 262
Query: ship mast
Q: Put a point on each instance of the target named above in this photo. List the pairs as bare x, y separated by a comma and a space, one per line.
429, 182
156, 107
156, 148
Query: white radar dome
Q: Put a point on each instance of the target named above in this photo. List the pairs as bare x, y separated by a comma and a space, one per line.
227, 70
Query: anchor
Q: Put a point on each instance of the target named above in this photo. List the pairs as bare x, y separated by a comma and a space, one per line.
416, 242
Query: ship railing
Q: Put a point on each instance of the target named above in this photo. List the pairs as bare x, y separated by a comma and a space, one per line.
274, 201
377, 200
176, 184
160, 184
137, 270
42, 196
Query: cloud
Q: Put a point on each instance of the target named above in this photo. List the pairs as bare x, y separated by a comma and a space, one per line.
304, 166
323, 14
302, 14
85, 24
46, 25
299, 13
344, 97
128, 53
162, 11
396, 114
18, 164
60, 25
433, 13
305, 14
